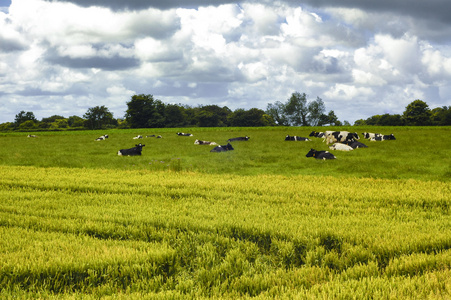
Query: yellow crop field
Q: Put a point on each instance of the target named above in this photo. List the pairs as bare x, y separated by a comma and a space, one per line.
133, 234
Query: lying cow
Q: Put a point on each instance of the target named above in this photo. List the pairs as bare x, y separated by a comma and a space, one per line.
340, 136
155, 136
296, 138
102, 138
222, 148
356, 145
199, 142
320, 154
370, 135
32, 136
138, 137
132, 151
184, 134
243, 138
316, 134
383, 138
341, 147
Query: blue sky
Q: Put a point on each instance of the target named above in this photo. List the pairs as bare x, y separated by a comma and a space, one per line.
361, 57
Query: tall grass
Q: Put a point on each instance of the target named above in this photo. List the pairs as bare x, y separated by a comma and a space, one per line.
92, 233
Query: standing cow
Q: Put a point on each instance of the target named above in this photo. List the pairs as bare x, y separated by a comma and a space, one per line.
132, 151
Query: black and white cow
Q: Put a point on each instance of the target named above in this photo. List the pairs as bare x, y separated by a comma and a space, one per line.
222, 148
296, 138
316, 134
242, 138
184, 134
132, 151
199, 142
320, 154
370, 135
341, 147
340, 136
383, 137
356, 145
102, 138
32, 136
155, 136
138, 137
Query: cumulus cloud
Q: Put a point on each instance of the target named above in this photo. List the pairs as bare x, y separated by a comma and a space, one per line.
62, 57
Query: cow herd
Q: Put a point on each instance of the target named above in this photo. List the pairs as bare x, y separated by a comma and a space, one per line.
344, 141
340, 140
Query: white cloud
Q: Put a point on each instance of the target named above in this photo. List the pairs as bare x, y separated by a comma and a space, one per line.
66, 57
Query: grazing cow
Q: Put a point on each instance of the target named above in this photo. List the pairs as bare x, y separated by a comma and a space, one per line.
199, 142
138, 137
102, 138
316, 134
341, 147
32, 135
184, 134
222, 148
243, 138
132, 151
356, 145
340, 136
320, 154
296, 138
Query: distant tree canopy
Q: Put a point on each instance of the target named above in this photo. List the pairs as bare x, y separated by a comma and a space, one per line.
143, 111
417, 113
297, 111
98, 117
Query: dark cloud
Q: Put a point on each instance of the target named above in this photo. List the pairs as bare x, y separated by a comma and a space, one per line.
432, 9
144, 4
10, 45
115, 62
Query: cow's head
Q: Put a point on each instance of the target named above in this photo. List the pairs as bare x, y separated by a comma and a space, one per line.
139, 145
311, 153
229, 146
313, 133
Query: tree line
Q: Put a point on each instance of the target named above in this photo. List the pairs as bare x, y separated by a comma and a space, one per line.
144, 111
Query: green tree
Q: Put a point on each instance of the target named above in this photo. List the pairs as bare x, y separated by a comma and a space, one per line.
330, 118
175, 116
277, 112
98, 117
75, 121
28, 125
417, 113
297, 109
441, 116
315, 109
253, 117
145, 112
24, 116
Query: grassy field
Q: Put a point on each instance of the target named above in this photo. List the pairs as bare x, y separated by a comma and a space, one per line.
263, 221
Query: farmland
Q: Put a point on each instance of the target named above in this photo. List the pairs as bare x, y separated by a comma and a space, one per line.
78, 221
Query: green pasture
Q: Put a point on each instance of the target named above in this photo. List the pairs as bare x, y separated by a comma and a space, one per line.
418, 152
262, 221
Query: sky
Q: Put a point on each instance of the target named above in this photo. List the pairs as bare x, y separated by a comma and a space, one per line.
361, 57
